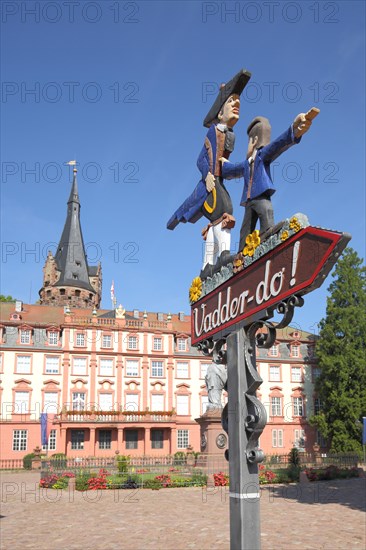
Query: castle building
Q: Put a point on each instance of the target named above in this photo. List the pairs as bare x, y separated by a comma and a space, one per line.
112, 381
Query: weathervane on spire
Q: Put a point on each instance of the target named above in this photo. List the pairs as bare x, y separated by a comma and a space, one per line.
72, 163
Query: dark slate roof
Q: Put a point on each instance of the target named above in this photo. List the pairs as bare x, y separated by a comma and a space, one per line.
93, 270
70, 256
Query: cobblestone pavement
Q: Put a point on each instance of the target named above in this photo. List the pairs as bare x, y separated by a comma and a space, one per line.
325, 515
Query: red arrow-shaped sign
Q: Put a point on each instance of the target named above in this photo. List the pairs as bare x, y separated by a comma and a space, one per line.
297, 266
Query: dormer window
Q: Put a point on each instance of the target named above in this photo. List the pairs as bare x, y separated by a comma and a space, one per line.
75, 276
78, 264
295, 350
52, 337
273, 351
182, 344
25, 336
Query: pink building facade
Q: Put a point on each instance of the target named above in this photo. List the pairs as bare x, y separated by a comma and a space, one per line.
130, 383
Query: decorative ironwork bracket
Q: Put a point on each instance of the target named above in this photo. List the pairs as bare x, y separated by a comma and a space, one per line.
258, 334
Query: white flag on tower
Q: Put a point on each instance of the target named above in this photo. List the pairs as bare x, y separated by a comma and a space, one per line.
112, 291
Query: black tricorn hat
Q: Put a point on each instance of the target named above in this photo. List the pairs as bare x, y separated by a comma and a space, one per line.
235, 86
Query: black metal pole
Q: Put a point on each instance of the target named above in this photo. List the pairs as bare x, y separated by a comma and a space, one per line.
244, 481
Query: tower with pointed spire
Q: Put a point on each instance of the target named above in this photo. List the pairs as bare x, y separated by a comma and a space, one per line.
67, 278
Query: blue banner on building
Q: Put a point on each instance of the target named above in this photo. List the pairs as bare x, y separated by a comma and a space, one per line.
44, 435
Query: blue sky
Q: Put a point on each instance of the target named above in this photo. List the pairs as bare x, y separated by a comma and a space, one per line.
123, 87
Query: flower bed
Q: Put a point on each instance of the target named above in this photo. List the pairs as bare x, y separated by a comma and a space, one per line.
86, 481
331, 472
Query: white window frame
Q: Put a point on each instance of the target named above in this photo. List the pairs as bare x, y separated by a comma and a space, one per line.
51, 442
106, 338
298, 405
132, 402
273, 350
20, 364
132, 367
132, 342
157, 369
102, 396
295, 350
182, 372
277, 376
52, 369
79, 366
80, 339
276, 406
21, 402
52, 337
182, 344
157, 402
25, 336
47, 408
182, 405
105, 366
20, 440
157, 343
299, 438
298, 377
78, 400
182, 439
277, 439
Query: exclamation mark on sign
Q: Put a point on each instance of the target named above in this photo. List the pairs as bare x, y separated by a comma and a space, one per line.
294, 262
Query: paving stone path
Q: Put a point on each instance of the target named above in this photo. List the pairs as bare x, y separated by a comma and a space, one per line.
324, 515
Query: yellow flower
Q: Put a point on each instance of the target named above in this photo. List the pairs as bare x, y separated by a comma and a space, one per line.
252, 242
196, 290
284, 236
295, 224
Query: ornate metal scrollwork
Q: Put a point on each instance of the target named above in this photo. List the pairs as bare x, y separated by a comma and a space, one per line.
261, 334
257, 416
287, 308
206, 346
215, 349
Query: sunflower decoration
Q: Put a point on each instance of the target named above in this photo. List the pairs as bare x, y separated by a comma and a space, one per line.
196, 290
252, 242
295, 224
284, 235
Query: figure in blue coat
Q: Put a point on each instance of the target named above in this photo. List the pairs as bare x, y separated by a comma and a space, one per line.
210, 197
258, 184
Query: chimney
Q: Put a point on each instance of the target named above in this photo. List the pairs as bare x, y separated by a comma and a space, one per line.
136, 313
18, 306
181, 316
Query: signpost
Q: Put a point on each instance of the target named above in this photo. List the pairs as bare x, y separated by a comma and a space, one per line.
228, 324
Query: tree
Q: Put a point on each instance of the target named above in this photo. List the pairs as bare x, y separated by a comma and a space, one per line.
340, 349
6, 298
